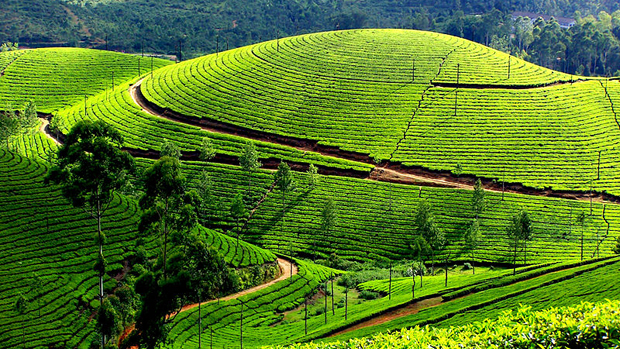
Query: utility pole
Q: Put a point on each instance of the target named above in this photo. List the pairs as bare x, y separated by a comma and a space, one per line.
346, 303
325, 312
241, 334
333, 310
509, 61
390, 289
413, 282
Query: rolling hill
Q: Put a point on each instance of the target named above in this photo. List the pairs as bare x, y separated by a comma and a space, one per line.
389, 117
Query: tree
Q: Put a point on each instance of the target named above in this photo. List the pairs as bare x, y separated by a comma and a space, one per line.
21, 307
425, 227
249, 162
328, 218
109, 323
208, 201
56, 126
313, 178
91, 168
473, 235
170, 149
168, 208
520, 228
13, 124
581, 219
207, 150
204, 272
238, 212
616, 249
285, 183
195, 272
478, 203
420, 247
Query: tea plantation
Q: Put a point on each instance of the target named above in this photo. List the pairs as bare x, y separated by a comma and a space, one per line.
392, 119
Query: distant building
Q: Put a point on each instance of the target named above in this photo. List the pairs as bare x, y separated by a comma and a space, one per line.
564, 22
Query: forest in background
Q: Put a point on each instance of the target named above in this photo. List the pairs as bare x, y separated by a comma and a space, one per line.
198, 27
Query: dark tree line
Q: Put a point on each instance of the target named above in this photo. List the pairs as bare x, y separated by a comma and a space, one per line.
198, 27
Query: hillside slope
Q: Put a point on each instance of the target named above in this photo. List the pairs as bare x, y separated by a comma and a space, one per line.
417, 99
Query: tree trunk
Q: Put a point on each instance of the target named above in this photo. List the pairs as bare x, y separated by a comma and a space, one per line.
412, 282
325, 301
473, 259
390, 289
446, 282
514, 262
165, 236
100, 272
582, 242
306, 317
346, 304
332, 282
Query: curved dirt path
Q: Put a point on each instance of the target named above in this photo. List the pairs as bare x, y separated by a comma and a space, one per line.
410, 309
285, 269
43, 128
391, 172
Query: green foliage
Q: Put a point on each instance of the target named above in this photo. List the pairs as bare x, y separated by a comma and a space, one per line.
207, 150
91, 166
9, 46
312, 176
249, 162
169, 210
170, 149
616, 248
329, 217
14, 124
477, 200
586, 325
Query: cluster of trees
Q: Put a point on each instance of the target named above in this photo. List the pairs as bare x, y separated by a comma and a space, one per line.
91, 169
590, 47
429, 239
16, 123
198, 27
9, 46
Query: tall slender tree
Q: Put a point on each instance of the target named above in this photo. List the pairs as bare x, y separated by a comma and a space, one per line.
238, 212
328, 218
284, 183
90, 168
473, 235
519, 229
249, 162
426, 227
21, 307
478, 202
167, 208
